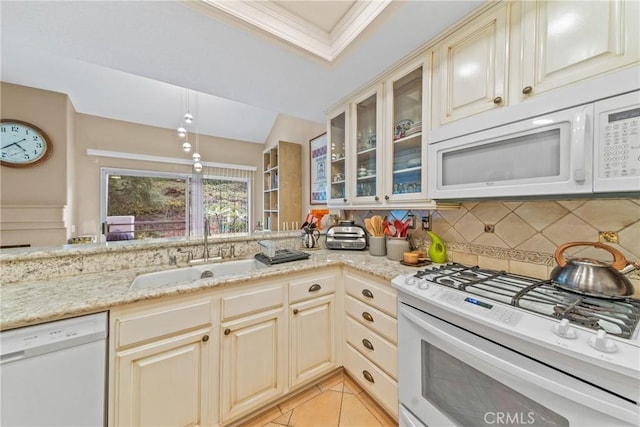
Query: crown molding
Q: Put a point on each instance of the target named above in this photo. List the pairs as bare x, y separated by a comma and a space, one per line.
287, 26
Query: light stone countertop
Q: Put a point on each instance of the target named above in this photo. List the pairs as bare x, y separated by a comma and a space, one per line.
26, 303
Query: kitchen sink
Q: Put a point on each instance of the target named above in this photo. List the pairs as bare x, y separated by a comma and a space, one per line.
196, 272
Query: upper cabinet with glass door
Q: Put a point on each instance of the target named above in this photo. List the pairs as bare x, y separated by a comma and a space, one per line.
337, 131
365, 162
405, 158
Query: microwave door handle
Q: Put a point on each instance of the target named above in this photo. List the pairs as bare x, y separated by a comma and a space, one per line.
578, 146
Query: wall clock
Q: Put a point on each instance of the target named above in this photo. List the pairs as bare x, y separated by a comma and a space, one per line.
23, 144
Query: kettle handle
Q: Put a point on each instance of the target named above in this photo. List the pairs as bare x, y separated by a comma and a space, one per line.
619, 261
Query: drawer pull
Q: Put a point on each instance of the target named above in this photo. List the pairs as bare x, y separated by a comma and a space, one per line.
295, 311
367, 316
367, 343
368, 376
527, 90
367, 293
315, 287
227, 331
497, 100
205, 338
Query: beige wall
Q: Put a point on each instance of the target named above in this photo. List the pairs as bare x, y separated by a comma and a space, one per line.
41, 205
113, 135
36, 202
291, 129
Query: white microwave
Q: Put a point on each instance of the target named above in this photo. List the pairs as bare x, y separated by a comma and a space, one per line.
591, 148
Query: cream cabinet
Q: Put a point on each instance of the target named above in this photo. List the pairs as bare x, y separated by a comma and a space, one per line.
405, 174
354, 147
164, 364
312, 327
366, 148
562, 42
471, 68
338, 124
370, 350
253, 349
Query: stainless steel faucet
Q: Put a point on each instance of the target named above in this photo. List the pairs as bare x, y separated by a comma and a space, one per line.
205, 254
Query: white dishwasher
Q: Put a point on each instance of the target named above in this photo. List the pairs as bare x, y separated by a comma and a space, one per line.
54, 374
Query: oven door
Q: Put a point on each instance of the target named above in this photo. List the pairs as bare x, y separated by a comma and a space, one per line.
449, 376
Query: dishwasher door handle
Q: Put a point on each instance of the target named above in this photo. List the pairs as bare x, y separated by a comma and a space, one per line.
11, 357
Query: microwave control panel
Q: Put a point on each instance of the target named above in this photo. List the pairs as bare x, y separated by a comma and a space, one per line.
619, 143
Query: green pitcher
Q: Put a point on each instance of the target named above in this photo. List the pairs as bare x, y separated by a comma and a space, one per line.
437, 251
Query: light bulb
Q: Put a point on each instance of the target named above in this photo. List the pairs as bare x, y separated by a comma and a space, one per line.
182, 132
188, 118
196, 157
197, 167
186, 146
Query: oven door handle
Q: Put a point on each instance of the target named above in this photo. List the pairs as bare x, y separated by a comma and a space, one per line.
511, 368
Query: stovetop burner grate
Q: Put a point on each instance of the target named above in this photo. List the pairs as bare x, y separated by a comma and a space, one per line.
616, 317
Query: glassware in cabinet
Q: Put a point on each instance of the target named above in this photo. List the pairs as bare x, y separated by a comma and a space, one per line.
406, 93
337, 134
367, 113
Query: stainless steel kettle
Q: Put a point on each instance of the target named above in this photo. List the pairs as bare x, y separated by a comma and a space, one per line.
592, 277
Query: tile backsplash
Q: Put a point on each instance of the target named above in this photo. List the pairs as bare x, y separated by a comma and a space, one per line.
521, 237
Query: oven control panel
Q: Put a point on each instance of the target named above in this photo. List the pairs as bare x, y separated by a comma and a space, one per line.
481, 308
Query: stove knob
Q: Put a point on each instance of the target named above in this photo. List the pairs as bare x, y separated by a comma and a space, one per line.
564, 330
411, 280
423, 284
602, 343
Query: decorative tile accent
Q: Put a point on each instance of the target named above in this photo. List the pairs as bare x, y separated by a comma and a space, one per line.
463, 258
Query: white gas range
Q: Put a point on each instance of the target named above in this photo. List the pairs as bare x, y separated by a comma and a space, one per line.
516, 350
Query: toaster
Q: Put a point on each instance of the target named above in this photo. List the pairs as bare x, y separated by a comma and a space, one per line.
346, 235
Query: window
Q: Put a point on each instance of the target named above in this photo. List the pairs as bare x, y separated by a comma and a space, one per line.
145, 204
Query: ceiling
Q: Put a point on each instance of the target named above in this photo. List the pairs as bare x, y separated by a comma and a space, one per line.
137, 60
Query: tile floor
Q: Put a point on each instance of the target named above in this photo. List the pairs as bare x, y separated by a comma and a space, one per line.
337, 401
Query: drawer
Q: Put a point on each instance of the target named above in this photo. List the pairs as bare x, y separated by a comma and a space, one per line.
312, 287
373, 347
162, 320
376, 383
382, 297
372, 318
251, 301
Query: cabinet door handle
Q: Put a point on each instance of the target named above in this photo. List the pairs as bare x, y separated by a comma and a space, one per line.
227, 331
367, 293
527, 90
497, 100
315, 287
376, 198
345, 200
205, 338
367, 376
367, 344
367, 316
295, 311
386, 197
